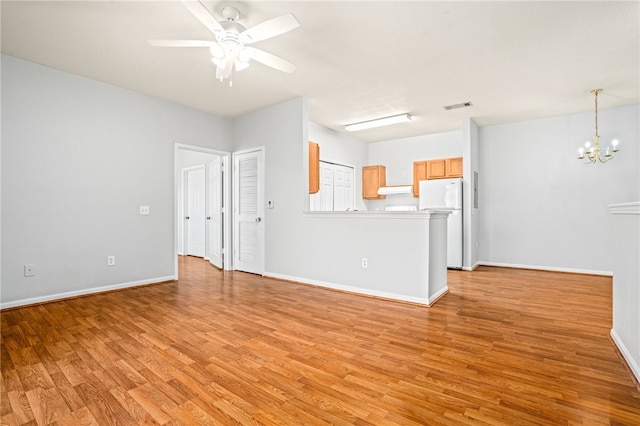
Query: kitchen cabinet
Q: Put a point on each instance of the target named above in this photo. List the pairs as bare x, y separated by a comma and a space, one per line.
314, 167
373, 177
454, 167
437, 169
419, 173
440, 168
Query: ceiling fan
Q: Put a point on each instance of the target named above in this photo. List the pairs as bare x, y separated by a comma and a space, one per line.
230, 49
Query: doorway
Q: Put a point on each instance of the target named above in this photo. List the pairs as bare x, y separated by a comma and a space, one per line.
202, 192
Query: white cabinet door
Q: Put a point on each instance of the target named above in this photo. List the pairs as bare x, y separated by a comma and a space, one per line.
342, 188
326, 187
336, 188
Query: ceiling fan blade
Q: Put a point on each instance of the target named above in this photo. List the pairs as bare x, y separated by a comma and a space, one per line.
202, 13
271, 28
181, 43
272, 61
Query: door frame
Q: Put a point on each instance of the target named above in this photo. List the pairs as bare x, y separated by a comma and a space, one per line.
225, 157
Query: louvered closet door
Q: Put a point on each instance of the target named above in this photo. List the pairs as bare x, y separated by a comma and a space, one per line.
249, 212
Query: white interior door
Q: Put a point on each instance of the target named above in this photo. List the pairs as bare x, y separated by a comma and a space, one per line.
195, 217
248, 211
326, 187
215, 212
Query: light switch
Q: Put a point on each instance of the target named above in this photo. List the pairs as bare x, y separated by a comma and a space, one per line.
144, 210
270, 204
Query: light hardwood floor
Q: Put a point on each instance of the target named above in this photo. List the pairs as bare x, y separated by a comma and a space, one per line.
503, 347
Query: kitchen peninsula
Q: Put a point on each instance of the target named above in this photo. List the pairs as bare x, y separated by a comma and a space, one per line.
396, 255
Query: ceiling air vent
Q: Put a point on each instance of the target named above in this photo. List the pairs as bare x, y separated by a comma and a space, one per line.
456, 106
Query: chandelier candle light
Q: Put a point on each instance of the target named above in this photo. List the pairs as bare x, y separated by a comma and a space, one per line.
590, 154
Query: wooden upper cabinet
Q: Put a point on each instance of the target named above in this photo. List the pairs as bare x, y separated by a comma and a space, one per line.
314, 167
373, 177
437, 169
454, 167
419, 173
440, 168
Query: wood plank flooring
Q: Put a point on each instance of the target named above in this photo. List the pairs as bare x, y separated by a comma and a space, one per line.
503, 347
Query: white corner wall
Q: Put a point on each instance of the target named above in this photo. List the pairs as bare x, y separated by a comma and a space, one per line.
281, 130
326, 249
78, 159
541, 207
471, 213
626, 282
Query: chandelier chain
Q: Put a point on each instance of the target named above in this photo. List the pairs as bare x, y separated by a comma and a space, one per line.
596, 101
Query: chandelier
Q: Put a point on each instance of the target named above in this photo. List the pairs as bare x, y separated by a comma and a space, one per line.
592, 153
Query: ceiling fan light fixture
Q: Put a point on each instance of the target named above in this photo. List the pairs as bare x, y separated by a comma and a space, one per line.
228, 51
241, 65
245, 54
378, 122
217, 51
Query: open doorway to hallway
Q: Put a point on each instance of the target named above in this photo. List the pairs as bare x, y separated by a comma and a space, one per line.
201, 197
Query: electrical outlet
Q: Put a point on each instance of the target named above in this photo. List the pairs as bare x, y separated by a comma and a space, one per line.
365, 262
144, 210
111, 260
29, 270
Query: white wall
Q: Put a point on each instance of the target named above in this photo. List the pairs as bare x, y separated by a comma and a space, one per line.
78, 159
281, 129
472, 213
626, 282
543, 208
398, 155
342, 149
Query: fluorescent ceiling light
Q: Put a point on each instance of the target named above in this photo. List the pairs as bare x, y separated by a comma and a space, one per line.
402, 118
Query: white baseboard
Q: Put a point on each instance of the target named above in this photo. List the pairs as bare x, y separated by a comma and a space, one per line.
433, 299
545, 268
633, 366
471, 268
82, 292
359, 290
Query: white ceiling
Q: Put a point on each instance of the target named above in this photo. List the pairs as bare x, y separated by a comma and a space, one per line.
356, 60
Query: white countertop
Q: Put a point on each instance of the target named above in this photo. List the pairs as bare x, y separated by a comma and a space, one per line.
420, 214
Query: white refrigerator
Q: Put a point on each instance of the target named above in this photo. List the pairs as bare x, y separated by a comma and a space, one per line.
446, 194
